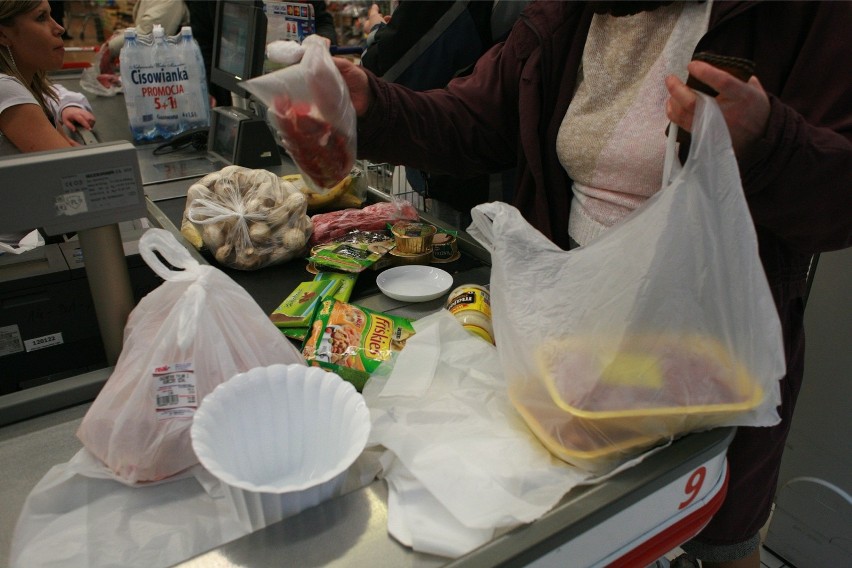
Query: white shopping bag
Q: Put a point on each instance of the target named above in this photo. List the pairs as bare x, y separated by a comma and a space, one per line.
662, 325
195, 331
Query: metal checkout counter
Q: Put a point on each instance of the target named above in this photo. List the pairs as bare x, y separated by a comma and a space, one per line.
629, 520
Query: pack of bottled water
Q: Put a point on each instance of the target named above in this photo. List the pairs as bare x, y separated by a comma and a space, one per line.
165, 85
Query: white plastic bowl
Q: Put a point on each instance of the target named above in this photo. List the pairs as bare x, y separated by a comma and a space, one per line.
414, 283
289, 431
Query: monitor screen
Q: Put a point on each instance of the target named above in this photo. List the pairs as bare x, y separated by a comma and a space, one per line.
223, 135
239, 45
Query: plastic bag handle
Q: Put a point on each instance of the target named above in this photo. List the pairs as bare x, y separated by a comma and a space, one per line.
703, 130
482, 224
168, 246
671, 154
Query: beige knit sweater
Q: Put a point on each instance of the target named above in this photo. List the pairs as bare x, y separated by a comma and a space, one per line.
612, 140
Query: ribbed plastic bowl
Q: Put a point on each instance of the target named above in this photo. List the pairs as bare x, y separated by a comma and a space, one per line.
289, 432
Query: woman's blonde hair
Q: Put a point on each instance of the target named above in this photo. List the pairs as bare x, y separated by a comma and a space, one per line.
40, 87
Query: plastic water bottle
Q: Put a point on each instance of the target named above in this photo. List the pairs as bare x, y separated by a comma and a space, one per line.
170, 77
195, 103
135, 69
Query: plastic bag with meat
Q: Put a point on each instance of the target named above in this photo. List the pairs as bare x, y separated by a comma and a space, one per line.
311, 110
329, 226
198, 329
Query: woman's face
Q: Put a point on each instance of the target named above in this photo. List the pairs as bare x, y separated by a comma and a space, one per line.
36, 41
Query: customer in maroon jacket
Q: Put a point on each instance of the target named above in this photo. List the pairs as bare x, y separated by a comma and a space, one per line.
578, 99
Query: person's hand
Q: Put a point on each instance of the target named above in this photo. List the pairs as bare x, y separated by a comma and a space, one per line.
67, 138
356, 80
106, 63
72, 117
744, 105
374, 16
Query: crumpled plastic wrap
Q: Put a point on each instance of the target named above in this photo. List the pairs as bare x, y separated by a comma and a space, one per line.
81, 514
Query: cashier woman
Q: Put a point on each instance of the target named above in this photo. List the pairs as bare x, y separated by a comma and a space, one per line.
32, 110
576, 81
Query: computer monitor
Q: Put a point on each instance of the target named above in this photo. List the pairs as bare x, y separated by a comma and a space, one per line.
239, 45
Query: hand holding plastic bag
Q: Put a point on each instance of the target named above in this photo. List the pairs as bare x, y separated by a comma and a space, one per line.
195, 331
311, 110
661, 326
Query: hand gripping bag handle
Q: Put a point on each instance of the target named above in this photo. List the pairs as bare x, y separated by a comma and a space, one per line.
175, 254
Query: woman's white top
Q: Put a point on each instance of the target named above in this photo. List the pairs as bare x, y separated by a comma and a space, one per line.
13, 92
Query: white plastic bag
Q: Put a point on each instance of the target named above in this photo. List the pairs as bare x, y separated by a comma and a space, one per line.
195, 331
460, 463
89, 82
284, 52
78, 514
310, 108
247, 218
663, 325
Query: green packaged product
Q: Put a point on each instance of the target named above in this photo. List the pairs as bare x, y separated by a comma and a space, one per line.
297, 309
347, 283
353, 341
295, 333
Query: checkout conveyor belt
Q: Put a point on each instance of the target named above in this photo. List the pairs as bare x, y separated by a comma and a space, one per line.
627, 520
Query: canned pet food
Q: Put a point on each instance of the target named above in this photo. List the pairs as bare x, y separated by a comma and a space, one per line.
471, 305
444, 248
412, 237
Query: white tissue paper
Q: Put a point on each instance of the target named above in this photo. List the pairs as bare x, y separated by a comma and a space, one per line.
460, 461
27, 242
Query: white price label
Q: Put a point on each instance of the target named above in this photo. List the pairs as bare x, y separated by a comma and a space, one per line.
44, 342
175, 393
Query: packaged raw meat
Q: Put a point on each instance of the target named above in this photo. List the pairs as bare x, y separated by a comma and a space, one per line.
375, 217
310, 108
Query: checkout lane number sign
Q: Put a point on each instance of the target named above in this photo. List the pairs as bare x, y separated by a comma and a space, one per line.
43, 342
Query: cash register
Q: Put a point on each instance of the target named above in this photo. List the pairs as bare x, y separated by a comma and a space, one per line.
239, 134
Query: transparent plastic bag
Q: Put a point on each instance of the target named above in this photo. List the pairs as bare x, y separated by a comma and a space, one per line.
247, 218
663, 325
310, 108
196, 330
103, 85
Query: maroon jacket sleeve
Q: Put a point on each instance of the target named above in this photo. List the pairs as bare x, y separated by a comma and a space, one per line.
798, 181
466, 129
